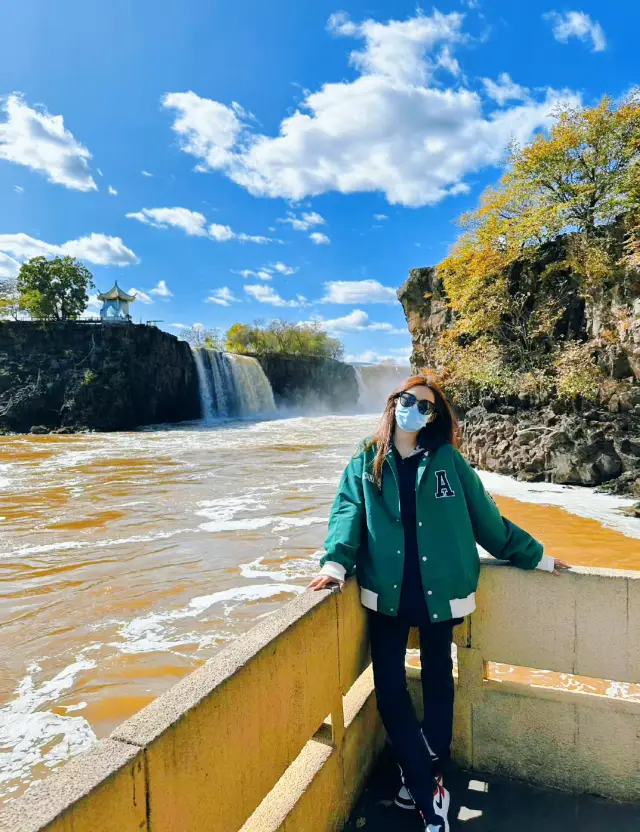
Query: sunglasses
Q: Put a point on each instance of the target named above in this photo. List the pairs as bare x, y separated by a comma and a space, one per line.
424, 405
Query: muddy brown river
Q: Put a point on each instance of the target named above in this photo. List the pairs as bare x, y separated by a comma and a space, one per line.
126, 560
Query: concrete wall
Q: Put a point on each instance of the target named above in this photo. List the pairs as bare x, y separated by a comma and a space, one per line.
584, 623
279, 731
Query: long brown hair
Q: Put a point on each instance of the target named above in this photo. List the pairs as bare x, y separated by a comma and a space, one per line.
443, 429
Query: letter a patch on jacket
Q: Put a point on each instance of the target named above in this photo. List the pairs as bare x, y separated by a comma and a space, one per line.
443, 489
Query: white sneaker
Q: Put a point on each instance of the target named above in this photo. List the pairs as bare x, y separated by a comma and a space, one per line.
403, 799
441, 801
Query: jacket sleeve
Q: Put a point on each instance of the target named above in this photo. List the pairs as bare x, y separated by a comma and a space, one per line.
499, 536
345, 524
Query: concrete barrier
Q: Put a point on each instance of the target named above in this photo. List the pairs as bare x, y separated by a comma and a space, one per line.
279, 731
586, 622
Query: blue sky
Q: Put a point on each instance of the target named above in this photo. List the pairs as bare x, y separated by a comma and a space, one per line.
236, 161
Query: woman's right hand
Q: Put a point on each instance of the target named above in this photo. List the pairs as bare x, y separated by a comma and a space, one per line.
322, 582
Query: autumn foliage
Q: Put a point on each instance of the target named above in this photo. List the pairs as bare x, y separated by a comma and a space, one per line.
560, 229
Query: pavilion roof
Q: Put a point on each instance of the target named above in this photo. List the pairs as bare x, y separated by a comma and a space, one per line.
116, 294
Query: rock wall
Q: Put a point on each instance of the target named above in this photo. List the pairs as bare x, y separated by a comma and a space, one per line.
78, 376
311, 382
425, 307
593, 448
574, 444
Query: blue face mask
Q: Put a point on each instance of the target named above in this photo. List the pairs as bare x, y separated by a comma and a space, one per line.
410, 418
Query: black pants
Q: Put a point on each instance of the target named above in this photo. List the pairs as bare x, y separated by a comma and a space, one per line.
389, 636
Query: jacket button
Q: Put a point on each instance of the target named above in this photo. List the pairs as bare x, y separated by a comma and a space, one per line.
390, 609
399, 552
429, 592
420, 523
395, 586
423, 558
435, 616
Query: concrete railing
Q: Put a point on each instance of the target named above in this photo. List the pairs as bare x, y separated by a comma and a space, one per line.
279, 730
584, 623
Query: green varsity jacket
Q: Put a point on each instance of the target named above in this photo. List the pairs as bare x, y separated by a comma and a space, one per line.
454, 513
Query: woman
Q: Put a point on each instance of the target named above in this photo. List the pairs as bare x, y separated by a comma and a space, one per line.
406, 519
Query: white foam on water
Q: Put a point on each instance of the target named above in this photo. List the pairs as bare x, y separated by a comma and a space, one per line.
280, 524
156, 631
31, 735
605, 508
237, 525
287, 570
92, 544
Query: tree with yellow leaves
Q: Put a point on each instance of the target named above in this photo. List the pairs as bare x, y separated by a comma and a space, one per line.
579, 180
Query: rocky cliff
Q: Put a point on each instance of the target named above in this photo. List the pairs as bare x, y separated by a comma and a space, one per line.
78, 376
310, 382
542, 437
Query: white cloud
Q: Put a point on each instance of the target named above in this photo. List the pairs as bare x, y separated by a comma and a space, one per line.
394, 129
179, 326
261, 274
505, 89
448, 62
358, 291
371, 357
319, 239
8, 266
282, 268
112, 191
96, 248
266, 294
146, 173
359, 321
398, 49
18, 189
40, 141
207, 129
223, 297
380, 217
222, 233
193, 223
140, 295
162, 290
577, 25
305, 221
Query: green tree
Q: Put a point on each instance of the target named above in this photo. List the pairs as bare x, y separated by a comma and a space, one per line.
581, 181
279, 336
54, 290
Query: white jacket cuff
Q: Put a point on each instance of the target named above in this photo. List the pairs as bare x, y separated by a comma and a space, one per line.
334, 570
547, 564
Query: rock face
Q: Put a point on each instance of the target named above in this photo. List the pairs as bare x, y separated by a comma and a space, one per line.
584, 445
78, 376
425, 307
591, 449
311, 382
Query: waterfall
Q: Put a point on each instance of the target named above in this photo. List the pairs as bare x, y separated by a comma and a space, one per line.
254, 390
231, 385
375, 384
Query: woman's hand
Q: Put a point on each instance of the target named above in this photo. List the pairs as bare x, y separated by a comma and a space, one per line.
322, 582
559, 565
